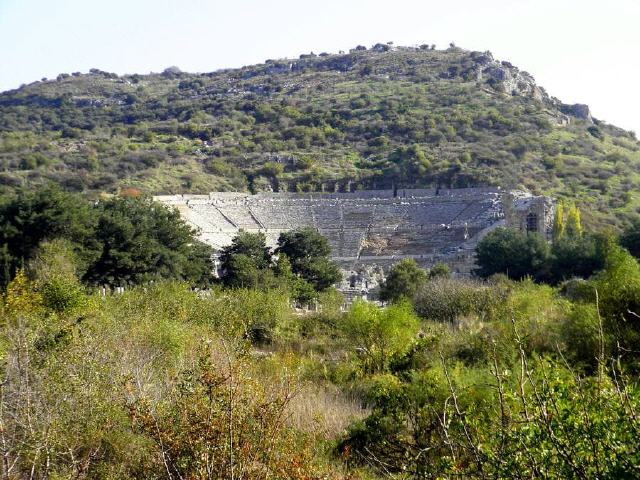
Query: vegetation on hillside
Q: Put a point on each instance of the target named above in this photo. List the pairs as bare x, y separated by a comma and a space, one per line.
370, 118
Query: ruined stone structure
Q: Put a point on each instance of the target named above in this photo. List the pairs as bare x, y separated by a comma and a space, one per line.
528, 213
371, 230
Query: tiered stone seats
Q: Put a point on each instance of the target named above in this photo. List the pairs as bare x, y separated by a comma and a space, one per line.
207, 217
217, 240
414, 223
239, 215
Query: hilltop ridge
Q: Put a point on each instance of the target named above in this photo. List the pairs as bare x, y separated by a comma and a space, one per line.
371, 118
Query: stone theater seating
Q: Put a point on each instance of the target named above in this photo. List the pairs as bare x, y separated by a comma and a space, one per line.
373, 227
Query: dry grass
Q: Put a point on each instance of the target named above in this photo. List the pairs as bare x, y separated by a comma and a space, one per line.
323, 411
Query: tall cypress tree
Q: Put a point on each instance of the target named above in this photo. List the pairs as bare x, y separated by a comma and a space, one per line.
558, 221
573, 227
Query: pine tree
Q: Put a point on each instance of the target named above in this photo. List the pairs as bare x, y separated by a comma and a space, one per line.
573, 227
558, 221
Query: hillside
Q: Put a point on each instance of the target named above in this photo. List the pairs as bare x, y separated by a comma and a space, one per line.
372, 118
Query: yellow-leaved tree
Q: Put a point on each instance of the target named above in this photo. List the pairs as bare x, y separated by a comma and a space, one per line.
573, 224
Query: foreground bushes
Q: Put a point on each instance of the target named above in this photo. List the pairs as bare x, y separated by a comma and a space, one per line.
485, 380
536, 418
219, 422
446, 300
154, 383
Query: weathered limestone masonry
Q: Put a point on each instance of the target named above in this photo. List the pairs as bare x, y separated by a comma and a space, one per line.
371, 230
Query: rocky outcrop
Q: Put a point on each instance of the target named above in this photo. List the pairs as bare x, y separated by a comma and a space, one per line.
577, 110
508, 78
503, 76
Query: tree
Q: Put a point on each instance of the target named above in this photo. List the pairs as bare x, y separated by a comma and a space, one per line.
113, 242
577, 256
573, 227
439, 270
558, 221
245, 260
308, 251
144, 241
514, 253
630, 237
44, 214
408, 164
403, 280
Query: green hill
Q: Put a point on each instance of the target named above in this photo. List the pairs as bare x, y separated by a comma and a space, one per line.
372, 118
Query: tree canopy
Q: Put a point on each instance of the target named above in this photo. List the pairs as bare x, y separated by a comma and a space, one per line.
308, 251
512, 252
630, 237
300, 263
404, 280
246, 261
143, 241
116, 241
519, 254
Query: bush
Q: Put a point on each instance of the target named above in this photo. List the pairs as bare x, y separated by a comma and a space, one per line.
618, 288
379, 333
447, 300
220, 420
450, 421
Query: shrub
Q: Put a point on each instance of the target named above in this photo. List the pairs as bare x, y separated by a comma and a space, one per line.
219, 421
379, 333
468, 423
618, 288
446, 300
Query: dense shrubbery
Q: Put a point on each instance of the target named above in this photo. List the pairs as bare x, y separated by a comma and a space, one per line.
150, 383
483, 380
543, 422
446, 300
526, 382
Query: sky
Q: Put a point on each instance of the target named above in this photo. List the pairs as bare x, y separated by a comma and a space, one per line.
581, 51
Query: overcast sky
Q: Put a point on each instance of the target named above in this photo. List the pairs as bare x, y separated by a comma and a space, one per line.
581, 51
